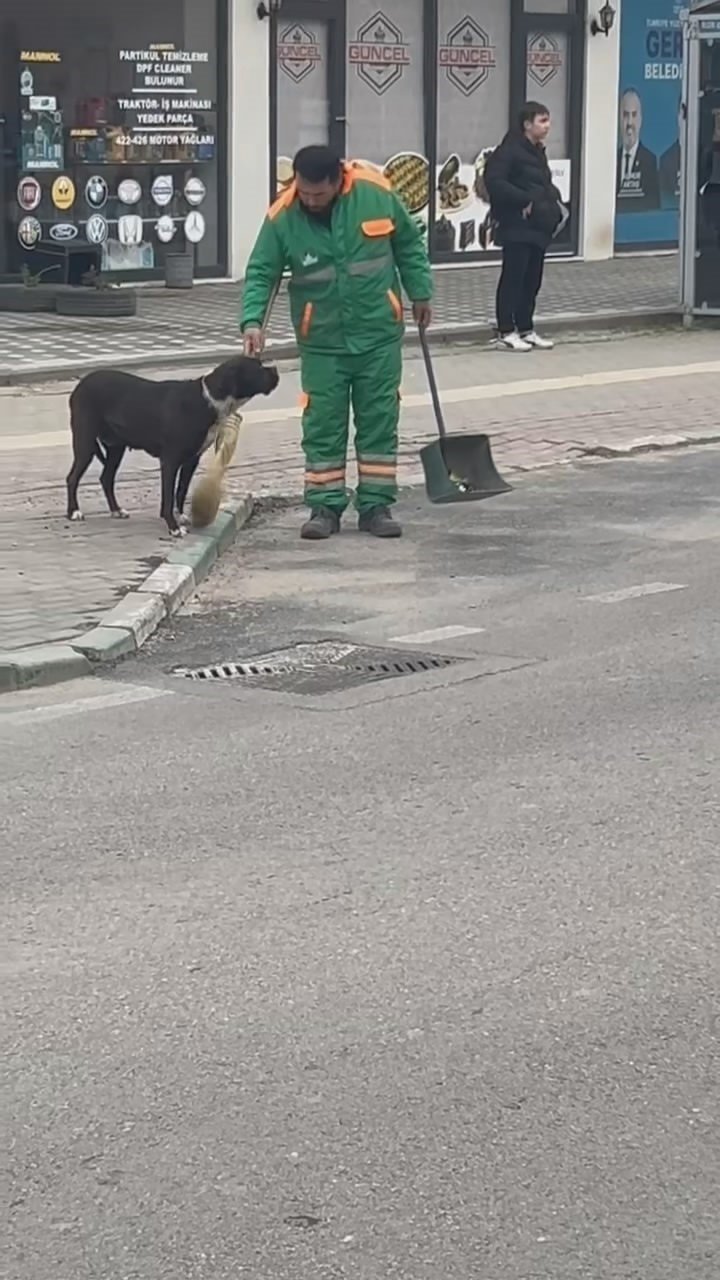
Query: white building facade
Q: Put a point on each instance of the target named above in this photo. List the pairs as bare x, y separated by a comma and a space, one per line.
422, 88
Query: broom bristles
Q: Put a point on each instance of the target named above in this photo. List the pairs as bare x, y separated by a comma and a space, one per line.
207, 493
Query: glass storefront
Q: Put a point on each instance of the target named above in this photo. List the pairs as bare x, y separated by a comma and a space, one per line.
423, 89
111, 123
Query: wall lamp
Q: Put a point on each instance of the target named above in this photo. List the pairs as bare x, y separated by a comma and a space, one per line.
603, 24
267, 10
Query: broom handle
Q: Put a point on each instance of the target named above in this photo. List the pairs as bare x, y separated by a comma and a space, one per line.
432, 383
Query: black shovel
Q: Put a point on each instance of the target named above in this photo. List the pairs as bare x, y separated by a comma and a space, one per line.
457, 468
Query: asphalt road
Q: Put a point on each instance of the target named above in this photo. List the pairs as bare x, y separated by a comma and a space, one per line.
414, 981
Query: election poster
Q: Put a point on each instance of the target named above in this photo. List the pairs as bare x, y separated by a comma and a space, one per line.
648, 149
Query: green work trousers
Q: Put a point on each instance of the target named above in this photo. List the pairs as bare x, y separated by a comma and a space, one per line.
331, 383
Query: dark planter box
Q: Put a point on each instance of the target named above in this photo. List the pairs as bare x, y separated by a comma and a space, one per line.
88, 301
30, 299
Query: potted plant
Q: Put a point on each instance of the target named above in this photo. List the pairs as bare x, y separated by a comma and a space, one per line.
29, 294
96, 296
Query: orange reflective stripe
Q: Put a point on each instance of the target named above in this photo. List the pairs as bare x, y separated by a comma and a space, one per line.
283, 202
395, 303
322, 477
306, 320
376, 469
378, 227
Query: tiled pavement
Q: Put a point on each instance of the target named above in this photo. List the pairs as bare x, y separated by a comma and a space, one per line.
57, 579
202, 323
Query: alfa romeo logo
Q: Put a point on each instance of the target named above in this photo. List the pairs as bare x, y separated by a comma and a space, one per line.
298, 52
379, 54
544, 59
467, 56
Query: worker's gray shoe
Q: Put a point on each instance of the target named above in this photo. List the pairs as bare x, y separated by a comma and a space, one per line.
379, 522
323, 523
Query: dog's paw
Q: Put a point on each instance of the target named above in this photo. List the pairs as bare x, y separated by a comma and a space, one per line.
77, 516
120, 514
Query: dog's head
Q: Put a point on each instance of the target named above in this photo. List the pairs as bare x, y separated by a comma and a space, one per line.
241, 378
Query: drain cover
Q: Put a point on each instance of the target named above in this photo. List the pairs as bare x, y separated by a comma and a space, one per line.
323, 667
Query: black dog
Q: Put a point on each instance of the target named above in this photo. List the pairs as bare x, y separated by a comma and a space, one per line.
174, 421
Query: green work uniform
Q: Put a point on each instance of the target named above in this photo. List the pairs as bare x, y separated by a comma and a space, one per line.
346, 273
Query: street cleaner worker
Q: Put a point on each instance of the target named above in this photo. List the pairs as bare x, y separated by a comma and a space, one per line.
349, 243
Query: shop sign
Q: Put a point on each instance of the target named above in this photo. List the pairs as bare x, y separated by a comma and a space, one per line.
96, 229
129, 191
63, 193
96, 191
39, 55
165, 229
467, 56
163, 106
544, 59
194, 227
163, 189
298, 52
62, 231
379, 53
29, 232
27, 83
29, 194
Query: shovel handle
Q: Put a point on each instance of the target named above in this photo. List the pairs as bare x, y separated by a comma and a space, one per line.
432, 383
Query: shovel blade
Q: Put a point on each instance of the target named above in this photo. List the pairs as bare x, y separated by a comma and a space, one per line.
461, 469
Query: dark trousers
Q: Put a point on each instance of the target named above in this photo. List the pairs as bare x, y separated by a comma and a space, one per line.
520, 281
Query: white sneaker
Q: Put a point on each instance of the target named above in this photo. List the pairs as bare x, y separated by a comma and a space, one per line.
533, 339
512, 342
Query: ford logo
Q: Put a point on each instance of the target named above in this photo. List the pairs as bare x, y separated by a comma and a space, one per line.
63, 231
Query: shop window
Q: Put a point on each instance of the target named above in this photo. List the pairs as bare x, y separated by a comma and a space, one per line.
473, 88
385, 80
547, 81
303, 95
111, 131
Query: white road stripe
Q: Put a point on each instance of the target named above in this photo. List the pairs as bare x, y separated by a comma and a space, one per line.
631, 593
78, 706
452, 395
439, 633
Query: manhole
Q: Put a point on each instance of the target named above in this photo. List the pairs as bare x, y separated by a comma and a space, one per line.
323, 667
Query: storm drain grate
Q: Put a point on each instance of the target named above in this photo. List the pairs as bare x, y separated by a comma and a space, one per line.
320, 668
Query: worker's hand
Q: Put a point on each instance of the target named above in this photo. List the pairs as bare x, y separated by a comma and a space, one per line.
527, 210
253, 341
422, 312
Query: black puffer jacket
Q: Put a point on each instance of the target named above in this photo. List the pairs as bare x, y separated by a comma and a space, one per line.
517, 174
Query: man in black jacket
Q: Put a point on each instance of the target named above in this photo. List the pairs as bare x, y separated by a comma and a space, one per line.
528, 211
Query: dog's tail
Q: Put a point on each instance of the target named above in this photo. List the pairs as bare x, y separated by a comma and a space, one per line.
100, 453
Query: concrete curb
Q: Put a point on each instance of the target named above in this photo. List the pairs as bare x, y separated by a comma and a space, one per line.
480, 331
125, 628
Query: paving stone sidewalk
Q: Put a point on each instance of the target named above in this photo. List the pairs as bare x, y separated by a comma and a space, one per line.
57, 579
173, 326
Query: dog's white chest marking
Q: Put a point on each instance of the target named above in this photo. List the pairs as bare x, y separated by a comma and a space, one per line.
224, 409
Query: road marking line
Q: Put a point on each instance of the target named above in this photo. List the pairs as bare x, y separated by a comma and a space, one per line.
439, 633
631, 593
451, 395
58, 710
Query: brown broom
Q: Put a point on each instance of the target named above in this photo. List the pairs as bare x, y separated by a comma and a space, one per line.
207, 494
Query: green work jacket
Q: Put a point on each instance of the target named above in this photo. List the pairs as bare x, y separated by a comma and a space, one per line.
345, 275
